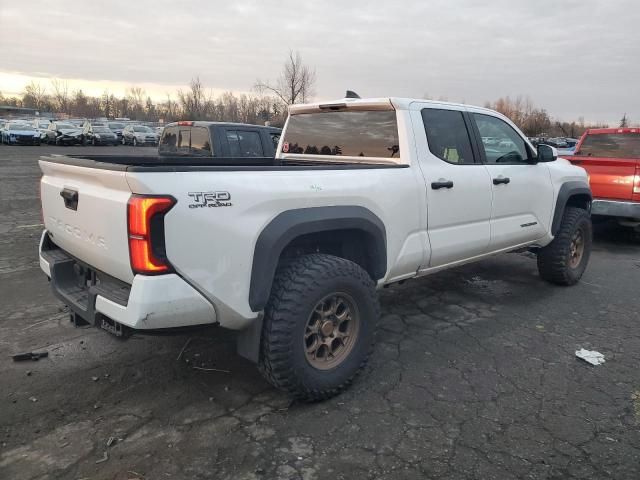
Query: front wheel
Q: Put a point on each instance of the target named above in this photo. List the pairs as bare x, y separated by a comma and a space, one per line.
319, 326
565, 259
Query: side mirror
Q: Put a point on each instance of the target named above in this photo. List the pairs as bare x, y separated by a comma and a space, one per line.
546, 153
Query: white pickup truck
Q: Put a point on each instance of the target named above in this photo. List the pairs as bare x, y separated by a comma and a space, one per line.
362, 193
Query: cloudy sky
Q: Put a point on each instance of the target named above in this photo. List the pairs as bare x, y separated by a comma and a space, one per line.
572, 57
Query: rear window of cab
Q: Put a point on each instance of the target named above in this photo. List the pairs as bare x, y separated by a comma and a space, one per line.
611, 145
343, 133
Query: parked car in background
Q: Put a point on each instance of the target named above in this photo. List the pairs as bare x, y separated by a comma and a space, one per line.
97, 123
611, 157
77, 122
63, 133
42, 125
20, 133
139, 135
117, 128
217, 139
98, 135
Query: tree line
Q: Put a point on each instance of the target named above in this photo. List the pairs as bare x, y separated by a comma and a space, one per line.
269, 104
194, 103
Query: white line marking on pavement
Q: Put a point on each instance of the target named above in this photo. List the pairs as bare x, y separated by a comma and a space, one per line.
31, 226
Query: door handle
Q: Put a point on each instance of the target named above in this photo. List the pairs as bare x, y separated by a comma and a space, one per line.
499, 180
70, 198
443, 184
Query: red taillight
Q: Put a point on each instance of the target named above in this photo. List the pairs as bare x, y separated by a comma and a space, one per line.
636, 184
146, 233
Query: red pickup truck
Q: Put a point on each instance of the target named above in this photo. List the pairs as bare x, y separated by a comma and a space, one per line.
611, 157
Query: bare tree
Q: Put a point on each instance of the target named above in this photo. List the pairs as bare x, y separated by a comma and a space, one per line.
295, 84
194, 101
34, 96
60, 94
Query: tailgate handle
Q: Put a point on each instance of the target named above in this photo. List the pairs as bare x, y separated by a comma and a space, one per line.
70, 198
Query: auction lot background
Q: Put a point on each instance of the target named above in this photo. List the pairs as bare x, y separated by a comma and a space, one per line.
473, 376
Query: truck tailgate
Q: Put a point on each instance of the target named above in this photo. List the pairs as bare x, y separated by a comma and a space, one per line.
85, 211
610, 178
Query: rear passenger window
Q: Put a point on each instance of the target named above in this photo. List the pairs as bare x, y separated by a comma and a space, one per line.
200, 144
447, 135
244, 143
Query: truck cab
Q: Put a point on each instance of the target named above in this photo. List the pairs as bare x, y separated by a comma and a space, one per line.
217, 139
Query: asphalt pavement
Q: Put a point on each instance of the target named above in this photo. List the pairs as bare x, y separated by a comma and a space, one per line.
473, 376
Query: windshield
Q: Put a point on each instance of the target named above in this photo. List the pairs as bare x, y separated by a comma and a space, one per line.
101, 130
611, 145
66, 126
345, 133
142, 129
20, 126
116, 126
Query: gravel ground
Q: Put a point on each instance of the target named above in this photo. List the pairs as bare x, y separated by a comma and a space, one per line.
473, 377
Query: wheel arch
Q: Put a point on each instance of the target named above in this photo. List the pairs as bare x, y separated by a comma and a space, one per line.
342, 226
574, 194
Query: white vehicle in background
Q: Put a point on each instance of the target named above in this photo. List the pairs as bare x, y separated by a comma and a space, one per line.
139, 135
289, 251
42, 125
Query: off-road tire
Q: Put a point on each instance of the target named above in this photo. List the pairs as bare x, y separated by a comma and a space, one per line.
554, 259
298, 287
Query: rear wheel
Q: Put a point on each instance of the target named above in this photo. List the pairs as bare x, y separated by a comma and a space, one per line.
318, 327
565, 259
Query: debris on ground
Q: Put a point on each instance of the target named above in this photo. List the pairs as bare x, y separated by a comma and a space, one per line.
95, 379
104, 458
111, 441
21, 357
211, 369
33, 399
590, 356
183, 349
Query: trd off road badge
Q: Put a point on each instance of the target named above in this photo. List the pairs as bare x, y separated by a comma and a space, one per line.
210, 199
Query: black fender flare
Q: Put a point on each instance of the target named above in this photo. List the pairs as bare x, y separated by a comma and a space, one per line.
290, 224
568, 190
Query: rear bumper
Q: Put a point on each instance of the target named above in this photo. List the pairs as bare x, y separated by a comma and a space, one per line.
613, 208
149, 303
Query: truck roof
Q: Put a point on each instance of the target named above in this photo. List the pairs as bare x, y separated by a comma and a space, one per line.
602, 131
381, 103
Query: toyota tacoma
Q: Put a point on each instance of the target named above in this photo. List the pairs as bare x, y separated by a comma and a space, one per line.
290, 250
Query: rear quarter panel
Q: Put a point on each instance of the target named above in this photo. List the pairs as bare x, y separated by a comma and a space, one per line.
213, 248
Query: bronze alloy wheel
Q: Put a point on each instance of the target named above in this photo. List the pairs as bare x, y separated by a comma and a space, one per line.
576, 248
331, 331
